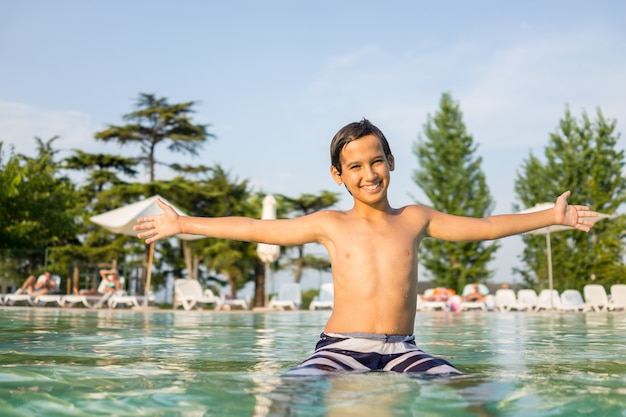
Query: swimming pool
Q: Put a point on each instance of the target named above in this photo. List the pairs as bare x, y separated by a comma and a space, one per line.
127, 363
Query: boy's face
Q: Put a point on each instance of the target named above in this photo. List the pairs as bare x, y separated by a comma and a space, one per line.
365, 170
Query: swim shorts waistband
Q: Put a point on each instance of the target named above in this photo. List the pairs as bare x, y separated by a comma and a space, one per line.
389, 338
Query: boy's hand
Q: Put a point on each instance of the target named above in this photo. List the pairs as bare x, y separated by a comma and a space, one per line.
573, 216
158, 227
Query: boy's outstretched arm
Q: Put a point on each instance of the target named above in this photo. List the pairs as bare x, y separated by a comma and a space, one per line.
458, 228
280, 232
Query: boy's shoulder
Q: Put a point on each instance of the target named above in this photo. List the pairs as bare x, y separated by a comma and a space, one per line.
408, 210
413, 209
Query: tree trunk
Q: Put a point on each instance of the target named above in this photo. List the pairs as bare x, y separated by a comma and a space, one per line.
299, 265
259, 284
188, 260
233, 285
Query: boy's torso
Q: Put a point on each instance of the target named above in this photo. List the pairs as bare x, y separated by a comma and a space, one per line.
374, 266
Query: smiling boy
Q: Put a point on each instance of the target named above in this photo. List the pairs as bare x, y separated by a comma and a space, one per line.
373, 252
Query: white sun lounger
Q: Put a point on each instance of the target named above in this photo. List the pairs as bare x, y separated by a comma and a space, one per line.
618, 297
596, 297
545, 303
426, 305
506, 300
44, 300
227, 303
474, 305
14, 299
527, 299
325, 299
188, 294
289, 296
89, 301
121, 298
572, 300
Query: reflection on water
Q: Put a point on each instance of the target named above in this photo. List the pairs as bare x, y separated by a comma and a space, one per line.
125, 363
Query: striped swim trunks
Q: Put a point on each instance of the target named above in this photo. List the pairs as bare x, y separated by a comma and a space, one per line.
370, 352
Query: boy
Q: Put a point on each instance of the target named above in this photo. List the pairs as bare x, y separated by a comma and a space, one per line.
373, 252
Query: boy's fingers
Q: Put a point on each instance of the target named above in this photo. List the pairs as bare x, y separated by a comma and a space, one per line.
146, 234
146, 224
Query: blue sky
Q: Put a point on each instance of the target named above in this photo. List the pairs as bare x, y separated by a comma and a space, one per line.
276, 79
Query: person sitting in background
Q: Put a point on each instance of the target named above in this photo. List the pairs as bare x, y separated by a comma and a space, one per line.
110, 283
440, 294
38, 286
476, 295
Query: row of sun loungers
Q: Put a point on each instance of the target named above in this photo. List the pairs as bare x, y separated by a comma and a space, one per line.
119, 298
594, 298
188, 294
110, 300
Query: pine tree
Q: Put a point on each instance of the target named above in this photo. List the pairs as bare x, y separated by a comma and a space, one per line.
581, 157
451, 177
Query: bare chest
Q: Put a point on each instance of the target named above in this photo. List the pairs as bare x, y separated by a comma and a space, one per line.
375, 246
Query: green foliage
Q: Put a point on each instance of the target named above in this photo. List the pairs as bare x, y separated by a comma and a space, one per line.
44, 217
452, 179
215, 194
154, 122
38, 209
103, 189
301, 206
103, 170
308, 296
581, 157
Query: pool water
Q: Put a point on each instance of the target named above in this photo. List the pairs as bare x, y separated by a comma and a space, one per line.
57, 362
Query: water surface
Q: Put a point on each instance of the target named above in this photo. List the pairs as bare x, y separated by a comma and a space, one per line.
125, 363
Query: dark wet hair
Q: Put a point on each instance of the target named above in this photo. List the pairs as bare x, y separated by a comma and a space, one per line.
354, 131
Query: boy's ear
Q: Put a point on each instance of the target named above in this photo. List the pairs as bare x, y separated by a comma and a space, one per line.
392, 162
336, 175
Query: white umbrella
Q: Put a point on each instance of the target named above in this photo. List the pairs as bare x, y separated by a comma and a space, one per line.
268, 253
550, 229
122, 220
